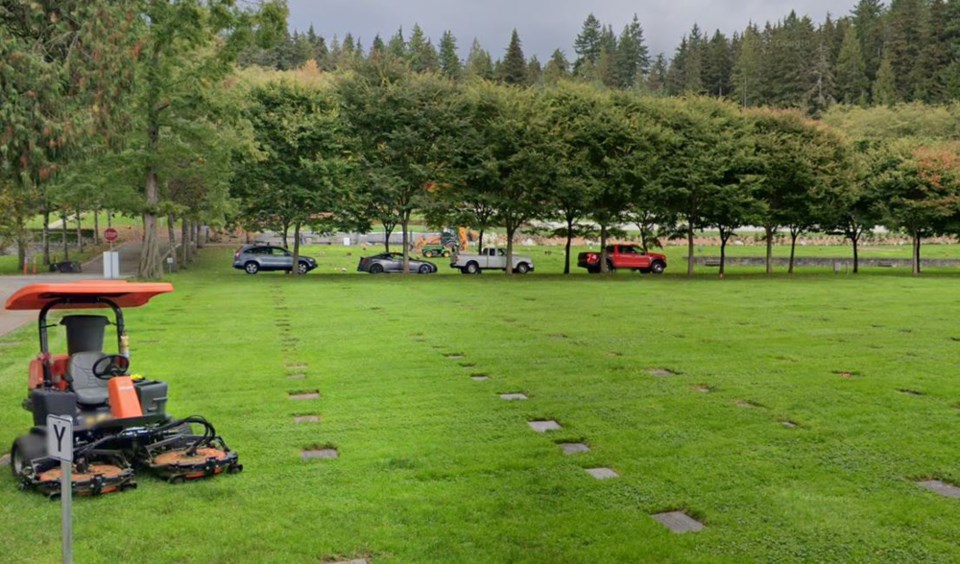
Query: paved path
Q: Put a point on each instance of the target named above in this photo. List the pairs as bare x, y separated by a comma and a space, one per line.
93, 270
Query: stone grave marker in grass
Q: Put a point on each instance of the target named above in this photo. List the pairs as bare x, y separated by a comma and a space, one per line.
468, 365
573, 448
307, 395
662, 372
301, 419
544, 426
602, 473
354, 561
679, 522
749, 404
319, 453
910, 392
514, 397
941, 487
453, 356
298, 376
296, 367
705, 389
789, 424
480, 378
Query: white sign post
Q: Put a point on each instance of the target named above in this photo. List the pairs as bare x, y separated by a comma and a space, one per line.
60, 446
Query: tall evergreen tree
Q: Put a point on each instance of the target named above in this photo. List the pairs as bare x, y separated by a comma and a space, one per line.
885, 87
587, 46
748, 69
904, 38
718, 66
513, 70
479, 62
423, 56
935, 56
534, 71
557, 69
633, 58
820, 96
450, 64
657, 78
868, 19
397, 46
851, 71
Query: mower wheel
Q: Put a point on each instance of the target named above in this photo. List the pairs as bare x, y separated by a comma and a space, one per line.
251, 267
24, 450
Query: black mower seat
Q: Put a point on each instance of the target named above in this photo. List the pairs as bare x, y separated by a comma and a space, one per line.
90, 390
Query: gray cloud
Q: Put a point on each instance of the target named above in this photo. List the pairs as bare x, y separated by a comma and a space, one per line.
544, 25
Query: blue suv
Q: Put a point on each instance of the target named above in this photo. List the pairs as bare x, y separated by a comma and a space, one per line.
255, 258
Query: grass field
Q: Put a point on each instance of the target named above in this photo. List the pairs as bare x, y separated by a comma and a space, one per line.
434, 466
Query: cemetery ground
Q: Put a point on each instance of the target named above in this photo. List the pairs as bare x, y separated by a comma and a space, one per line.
793, 417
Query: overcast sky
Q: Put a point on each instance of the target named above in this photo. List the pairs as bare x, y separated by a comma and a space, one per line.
544, 25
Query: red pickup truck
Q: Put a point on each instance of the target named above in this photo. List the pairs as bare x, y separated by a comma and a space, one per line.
627, 257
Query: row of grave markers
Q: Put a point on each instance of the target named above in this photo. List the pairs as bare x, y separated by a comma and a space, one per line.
675, 521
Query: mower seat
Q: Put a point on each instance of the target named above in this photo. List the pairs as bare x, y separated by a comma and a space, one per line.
90, 390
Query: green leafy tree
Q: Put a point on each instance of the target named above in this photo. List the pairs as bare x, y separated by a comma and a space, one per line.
885, 87
748, 69
921, 191
188, 47
510, 158
406, 127
632, 55
868, 19
422, 54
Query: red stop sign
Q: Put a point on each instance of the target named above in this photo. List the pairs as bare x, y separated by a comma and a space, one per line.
111, 234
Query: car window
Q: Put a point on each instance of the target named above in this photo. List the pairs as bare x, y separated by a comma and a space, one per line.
628, 250
278, 252
258, 251
501, 253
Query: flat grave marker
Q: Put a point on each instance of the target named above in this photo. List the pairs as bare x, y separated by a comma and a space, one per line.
602, 473
514, 397
679, 522
573, 448
319, 454
544, 426
942, 488
301, 396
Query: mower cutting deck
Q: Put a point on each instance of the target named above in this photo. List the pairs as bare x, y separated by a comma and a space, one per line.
120, 423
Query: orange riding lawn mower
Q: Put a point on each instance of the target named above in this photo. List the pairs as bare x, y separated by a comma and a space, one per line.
120, 421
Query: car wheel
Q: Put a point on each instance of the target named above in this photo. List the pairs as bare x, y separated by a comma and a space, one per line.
304, 268
425, 269
376, 269
473, 268
251, 267
522, 268
658, 267
446, 254
428, 254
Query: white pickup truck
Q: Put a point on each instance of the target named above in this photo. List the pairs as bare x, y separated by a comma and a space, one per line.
490, 259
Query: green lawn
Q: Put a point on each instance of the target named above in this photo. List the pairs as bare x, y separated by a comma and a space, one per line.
435, 467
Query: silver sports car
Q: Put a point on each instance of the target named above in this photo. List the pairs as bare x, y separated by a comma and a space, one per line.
393, 262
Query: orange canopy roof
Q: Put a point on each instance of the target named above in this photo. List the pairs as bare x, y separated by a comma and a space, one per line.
121, 292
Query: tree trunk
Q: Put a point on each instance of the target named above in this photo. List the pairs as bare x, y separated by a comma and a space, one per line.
150, 265
604, 267
769, 229
46, 237
195, 233
566, 248
96, 226
172, 235
689, 248
480, 242
79, 232
916, 254
185, 241
724, 237
510, 232
63, 233
296, 249
855, 240
109, 218
405, 225
21, 243
793, 248
387, 231
286, 230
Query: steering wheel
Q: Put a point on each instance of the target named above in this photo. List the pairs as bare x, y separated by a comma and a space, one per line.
108, 366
